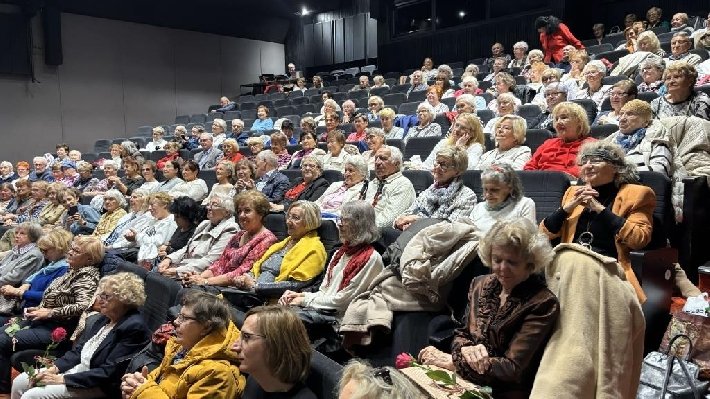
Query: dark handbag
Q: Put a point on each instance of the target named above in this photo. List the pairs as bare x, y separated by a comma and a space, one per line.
666, 376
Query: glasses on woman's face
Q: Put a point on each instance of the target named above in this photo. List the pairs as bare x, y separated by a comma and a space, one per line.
591, 160
246, 337
105, 297
618, 94
181, 318
444, 166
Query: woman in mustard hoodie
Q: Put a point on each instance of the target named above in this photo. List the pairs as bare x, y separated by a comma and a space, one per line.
198, 362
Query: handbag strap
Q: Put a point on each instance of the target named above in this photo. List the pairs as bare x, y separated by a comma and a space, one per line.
684, 368
690, 345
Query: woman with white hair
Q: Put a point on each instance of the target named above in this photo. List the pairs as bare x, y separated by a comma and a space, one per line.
219, 132
374, 105
469, 85
520, 53
158, 142
114, 204
426, 127
7, 172
352, 187
593, 88
329, 106
503, 198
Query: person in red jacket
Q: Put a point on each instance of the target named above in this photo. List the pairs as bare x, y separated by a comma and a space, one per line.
554, 36
560, 153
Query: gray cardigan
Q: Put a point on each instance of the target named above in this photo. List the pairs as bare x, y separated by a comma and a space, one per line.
15, 269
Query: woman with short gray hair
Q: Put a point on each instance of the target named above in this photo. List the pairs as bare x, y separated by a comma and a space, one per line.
352, 187
309, 187
520, 55
426, 126
24, 258
651, 71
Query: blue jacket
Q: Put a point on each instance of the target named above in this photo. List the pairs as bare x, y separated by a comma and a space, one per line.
261, 125
109, 361
9, 179
33, 296
275, 187
46, 176
90, 215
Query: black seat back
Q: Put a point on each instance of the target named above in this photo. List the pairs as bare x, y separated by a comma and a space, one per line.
421, 179
546, 188
663, 214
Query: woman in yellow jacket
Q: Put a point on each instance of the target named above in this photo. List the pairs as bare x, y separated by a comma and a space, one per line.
198, 362
294, 262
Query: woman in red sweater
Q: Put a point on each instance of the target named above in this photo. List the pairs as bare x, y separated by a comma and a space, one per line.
554, 36
560, 153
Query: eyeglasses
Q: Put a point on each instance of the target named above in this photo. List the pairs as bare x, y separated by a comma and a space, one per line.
553, 93
74, 249
309, 166
181, 318
591, 160
105, 297
245, 337
214, 206
443, 166
383, 374
618, 94
147, 170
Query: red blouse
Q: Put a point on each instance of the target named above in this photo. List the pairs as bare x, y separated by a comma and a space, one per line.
553, 44
236, 260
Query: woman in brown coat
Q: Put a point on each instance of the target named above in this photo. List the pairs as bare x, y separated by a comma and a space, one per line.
511, 315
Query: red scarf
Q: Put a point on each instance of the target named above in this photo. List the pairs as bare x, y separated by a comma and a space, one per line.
295, 191
359, 257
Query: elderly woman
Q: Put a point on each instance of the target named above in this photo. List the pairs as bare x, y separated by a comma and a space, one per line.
533, 61
504, 200
387, 116
520, 53
447, 198
349, 109
621, 93
136, 219
467, 134
114, 204
206, 244
294, 262
433, 98
230, 151
593, 88
23, 170
7, 172
646, 145
62, 303
337, 153
352, 187
504, 83
150, 237
69, 175
680, 98
279, 141
374, 139
245, 247
332, 123
148, 170
219, 132
116, 152
111, 177
317, 82
548, 77
308, 147
360, 121
375, 104
263, 122
132, 179
79, 219
426, 127
611, 214
516, 297
92, 368
224, 173
648, 41
506, 106
578, 60
379, 81
308, 124
245, 174
7, 197
25, 258
651, 71
172, 150
309, 187
192, 186
469, 86
273, 349
51, 214
86, 180
57, 173
509, 140
256, 145
31, 211
158, 142
471, 70
198, 360
53, 246
187, 214
560, 153
353, 267
360, 380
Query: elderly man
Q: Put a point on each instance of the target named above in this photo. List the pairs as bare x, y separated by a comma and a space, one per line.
555, 93
391, 193
272, 183
417, 81
225, 105
75, 155
207, 158
497, 51
680, 47
363, 83
40, 172
238, 132
498, 66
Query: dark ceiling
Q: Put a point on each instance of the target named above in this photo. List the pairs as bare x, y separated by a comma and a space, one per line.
252, 19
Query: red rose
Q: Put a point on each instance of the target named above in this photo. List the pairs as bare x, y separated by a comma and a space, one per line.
403, 360
59, 334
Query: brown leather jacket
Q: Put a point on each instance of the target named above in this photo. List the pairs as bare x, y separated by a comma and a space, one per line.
514, 335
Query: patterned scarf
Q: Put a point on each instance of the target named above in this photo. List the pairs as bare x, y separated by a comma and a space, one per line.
359, 257
440, 197
19, 251
629, 141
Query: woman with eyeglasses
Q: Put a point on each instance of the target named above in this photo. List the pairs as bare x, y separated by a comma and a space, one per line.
360, 380
447, 198
593, 87
503, 83
467, 134
92, 368
360, 121
374, 106
506, 106
148, 170
158, 142
680, 98
64, 300
503, 198
621, 93
191, 186
353, 187
509, 140
374, 139
114, 204
651, 71
308, 147
199, 361
426, 127
273, 349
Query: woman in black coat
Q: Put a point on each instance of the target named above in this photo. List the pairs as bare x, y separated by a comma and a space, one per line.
309, 187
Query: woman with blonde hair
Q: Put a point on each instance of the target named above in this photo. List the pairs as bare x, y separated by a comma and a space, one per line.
467, 134
509, 139
374, 105
230, 151
387, 116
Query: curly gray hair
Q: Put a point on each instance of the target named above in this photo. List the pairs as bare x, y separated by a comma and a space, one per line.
626, 172
504, 173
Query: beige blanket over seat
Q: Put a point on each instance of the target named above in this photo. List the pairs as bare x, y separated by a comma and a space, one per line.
596, 349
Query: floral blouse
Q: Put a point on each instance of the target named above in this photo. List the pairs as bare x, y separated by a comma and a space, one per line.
236, 260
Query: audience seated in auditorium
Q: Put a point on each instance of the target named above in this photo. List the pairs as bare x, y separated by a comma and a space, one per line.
374, 139
390, 193
504, 83
426, 127
593, 87
360, 380
61, 305
506, 106
40, 172
517, 297
520, 53
238, 132
497, 51
598, 30
219, 132
224, 173
136, 219
498, 66
560, 153
25, 258
92, 368
262, 121
273, 349
269, 181
352, 187
417, 82
293, 263
148, 170
188, 214
681, 44
207, 158
433, 98
7, 173
466, 134
469, 85
680, 98
645, 141
244, 248
256, 145
621, 93
679, 24
170, 170
191, 186
554, 36
309, 187
79, 219
374, 105
198, 359
360, 122
29, 209
225, 105
447, 197
387, 117
363, 84
206, 244
509, 149
503, 198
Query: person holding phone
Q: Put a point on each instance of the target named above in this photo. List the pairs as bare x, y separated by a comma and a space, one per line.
80, 219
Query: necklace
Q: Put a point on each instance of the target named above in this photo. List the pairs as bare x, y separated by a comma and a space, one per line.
587, 238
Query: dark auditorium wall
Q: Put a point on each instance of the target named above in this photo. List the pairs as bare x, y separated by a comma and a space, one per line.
117, 76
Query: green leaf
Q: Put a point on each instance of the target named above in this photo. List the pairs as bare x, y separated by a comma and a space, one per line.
441, 376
